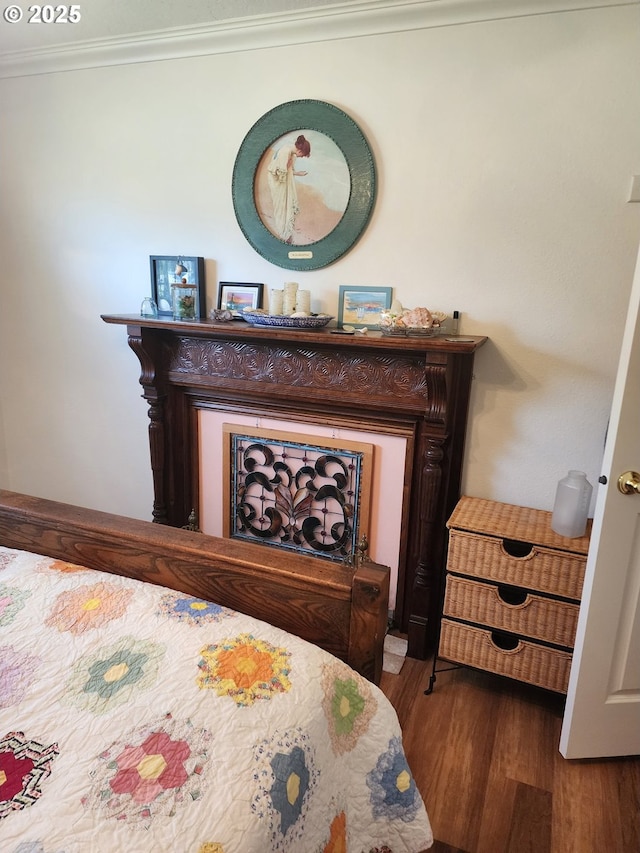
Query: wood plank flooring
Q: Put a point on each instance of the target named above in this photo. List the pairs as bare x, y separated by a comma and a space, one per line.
484, 754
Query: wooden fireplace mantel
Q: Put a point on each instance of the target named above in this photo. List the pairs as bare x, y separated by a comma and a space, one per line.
415, 386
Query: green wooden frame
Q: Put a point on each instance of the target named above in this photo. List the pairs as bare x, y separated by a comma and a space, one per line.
385, 295
345, 133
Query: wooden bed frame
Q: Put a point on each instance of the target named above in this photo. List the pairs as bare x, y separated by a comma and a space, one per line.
339, 608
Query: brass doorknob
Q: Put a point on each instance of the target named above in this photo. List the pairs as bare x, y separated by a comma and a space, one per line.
629, 483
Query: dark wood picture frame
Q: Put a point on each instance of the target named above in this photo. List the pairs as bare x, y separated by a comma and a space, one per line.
230, 295
164, 274
333, 123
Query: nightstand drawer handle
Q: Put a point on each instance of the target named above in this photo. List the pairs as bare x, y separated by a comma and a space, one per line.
513, 596
505, 642
516, 548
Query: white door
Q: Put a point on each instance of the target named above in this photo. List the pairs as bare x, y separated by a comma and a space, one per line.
602, 716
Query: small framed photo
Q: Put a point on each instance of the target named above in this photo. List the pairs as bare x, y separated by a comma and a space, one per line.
361, 307
167, 270
236, 296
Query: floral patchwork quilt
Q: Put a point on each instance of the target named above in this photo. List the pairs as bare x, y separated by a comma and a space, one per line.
136, 718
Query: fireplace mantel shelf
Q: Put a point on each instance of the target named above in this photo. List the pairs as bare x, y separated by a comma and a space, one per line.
418, 386
240, 330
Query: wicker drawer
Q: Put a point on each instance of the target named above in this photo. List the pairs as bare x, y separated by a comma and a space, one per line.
528, 661
543, 569
537, 617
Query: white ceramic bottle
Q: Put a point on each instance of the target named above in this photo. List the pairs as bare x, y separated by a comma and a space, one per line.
571, 506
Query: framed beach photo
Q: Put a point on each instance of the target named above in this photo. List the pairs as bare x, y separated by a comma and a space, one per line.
361, 307
304, 185
236, 296
167, 270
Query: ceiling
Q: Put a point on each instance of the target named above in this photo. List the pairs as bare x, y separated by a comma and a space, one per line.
116, 19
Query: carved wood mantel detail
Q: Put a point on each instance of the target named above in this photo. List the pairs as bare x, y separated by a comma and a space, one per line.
417, 385
326, 372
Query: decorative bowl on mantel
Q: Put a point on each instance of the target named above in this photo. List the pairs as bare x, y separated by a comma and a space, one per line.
313, 321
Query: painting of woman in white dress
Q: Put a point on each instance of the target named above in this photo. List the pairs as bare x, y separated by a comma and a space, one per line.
281, 175
302, 205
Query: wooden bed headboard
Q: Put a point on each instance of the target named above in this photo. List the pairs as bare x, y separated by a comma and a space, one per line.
341, 609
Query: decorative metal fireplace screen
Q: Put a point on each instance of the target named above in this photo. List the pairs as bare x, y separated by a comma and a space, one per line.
285, 490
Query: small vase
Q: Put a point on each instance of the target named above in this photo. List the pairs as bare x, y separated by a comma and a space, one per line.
571, 506
148, 308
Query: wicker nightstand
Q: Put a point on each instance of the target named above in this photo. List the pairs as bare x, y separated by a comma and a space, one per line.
513, 590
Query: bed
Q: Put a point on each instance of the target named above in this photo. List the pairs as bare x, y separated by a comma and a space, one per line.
162, 690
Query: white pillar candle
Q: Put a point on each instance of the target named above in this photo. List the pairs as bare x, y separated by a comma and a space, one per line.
275, 305
289, 298
303, 301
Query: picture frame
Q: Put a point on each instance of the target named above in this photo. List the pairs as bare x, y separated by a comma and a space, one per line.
335, 185
360, 306
236, 296
165, 271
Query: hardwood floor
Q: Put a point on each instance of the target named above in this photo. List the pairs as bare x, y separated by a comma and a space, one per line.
484, 754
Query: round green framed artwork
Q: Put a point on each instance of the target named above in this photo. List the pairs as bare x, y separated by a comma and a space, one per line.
304, 185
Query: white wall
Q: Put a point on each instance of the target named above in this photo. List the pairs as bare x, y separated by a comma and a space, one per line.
504, 151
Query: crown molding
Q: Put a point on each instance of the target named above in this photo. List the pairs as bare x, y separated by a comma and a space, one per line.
326, 23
